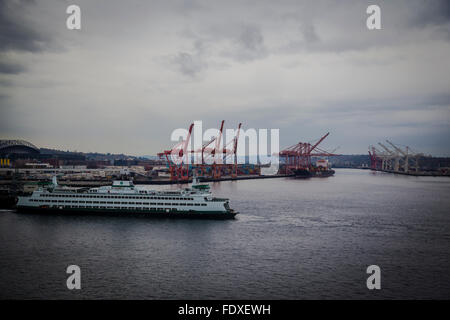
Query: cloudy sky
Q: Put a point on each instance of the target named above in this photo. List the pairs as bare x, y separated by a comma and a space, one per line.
139, 69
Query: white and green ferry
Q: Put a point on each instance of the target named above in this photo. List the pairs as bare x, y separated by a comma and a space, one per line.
123, 197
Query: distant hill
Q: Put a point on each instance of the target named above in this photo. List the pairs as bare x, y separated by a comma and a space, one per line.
342, 161
54, 151
89, 155
350, 161
150, 157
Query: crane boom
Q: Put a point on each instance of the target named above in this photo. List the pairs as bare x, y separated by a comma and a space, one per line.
318, 142
380, 153
386, 149
236, 138
219, 138
397, 148
186, 142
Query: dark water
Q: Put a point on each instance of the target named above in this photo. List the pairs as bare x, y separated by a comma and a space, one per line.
294, 239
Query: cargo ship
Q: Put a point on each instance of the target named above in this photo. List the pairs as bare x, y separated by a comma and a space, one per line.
123, 197
320, 170
313, 173
323, 173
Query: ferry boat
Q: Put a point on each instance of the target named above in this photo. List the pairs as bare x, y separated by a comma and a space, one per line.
123, 197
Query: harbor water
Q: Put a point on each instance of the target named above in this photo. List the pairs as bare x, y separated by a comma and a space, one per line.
293, 239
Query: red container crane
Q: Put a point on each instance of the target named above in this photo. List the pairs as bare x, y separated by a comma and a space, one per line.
178, 167
299, 155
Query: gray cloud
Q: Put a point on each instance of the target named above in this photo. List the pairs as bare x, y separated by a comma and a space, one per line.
249, 44
241, 43
15, 31
148, 67
192, 63
188, 64
17, 34
5, 83
433, 12
309, 33
9, 68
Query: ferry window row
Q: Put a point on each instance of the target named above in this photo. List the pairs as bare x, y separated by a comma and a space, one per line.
111, 197
129, 208
95, 191
121, 203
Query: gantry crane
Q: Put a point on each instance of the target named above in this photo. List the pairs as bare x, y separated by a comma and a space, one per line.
393, 155
405, 154
178, 159
299, 155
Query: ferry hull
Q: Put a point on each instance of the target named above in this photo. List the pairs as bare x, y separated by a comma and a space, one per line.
130, 213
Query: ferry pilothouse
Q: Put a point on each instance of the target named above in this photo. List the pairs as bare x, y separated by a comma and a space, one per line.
126, 198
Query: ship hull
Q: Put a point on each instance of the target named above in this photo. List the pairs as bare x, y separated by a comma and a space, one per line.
306, 174
302, 174
323, 174
130, 212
